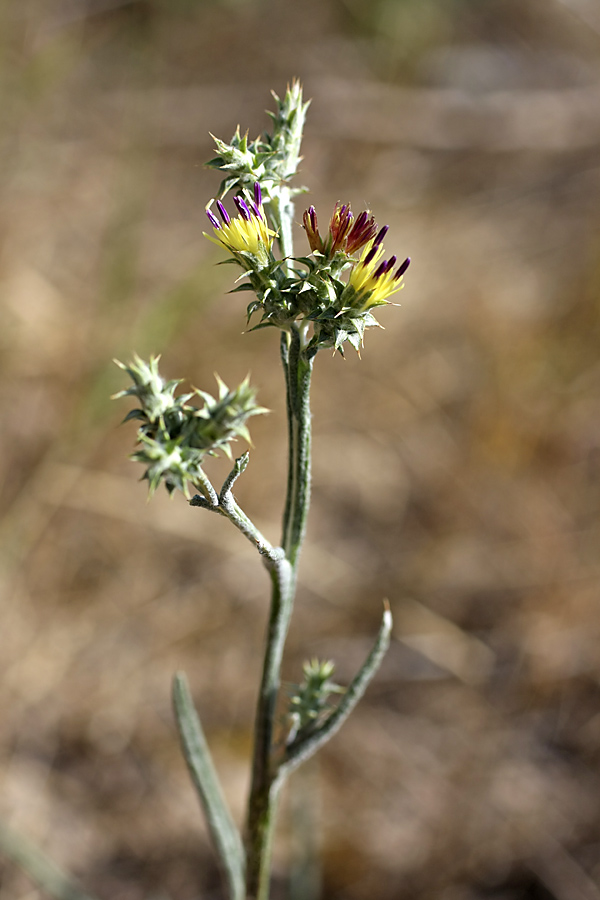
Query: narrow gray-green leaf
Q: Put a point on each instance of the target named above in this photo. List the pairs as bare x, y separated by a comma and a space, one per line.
224, 833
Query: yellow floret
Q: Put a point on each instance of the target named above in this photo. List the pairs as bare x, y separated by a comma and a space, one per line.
374, 291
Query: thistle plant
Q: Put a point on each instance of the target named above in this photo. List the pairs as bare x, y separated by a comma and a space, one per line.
323, 299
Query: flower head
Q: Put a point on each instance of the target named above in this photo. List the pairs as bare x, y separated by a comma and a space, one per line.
174, 436
372, 279
248, 232
345, 233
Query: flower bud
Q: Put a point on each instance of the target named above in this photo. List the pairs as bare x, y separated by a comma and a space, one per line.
309, 701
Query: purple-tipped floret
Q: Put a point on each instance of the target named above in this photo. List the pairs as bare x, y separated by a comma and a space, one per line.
313, 218
242, 208
256, 210
381, 235
213, 219
402, 269
223, 212
391, 263
381, 269
257, 194
370, 256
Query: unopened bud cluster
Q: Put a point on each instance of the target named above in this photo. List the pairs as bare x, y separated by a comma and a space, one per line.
175, 436
309, 701
272, 158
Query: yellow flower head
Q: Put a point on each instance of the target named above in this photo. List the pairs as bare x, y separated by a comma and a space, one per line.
247, 232
371, 282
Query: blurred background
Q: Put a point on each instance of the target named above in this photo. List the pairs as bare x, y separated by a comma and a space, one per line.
456, 465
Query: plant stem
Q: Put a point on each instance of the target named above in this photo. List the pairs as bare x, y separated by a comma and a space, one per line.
263, 792
297, 366
265, 787
283, 209
298, 376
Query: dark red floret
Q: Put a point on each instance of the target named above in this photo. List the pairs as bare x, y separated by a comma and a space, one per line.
340, 225
360, 220
362, 232
311, 227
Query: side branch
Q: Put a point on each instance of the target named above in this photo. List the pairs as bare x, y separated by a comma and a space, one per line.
304, 747
225, 505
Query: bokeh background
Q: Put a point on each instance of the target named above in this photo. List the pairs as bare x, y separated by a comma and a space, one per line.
456, 467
